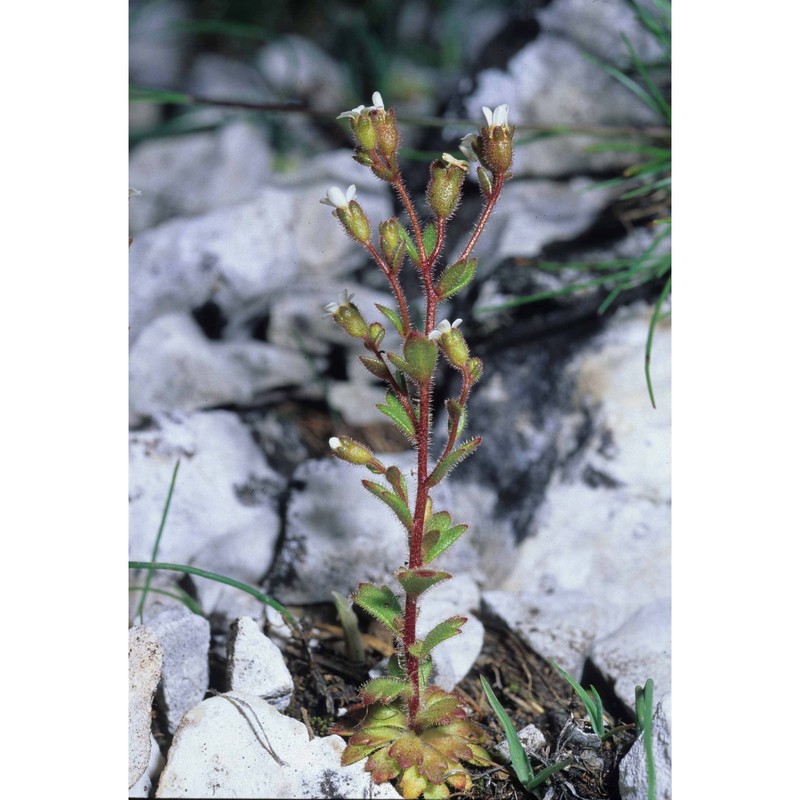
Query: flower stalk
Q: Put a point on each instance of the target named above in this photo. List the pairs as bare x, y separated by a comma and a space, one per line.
414, 731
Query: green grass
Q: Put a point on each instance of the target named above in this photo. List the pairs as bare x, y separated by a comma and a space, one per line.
179, 594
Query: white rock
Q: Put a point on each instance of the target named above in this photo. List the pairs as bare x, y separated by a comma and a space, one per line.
639, 649
296, 67
550, 83
604, 527
533, 741
599, 28
534, 213
453, 658
633, 774
280, 239
145, 786
559, 626
174, 367
195, 173
158, 43
223, 515
184, 638
145, 656
244, 747
338, 535
256, 666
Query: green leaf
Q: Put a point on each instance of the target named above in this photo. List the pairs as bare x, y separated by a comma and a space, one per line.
384, 690
644, 725
455, 277
593, 704
397, 413
417, 581
438, 522
392, 316
456, 417
519, 758
442, 710
411, 245
398, 482
429, 239
354, 642
434, 543
397, 504
436, 635
450, 462
376, 367
382, 603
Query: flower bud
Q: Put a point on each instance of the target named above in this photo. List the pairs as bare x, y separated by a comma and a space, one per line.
452, 342
475, 368
420, 357
386, 131
350, 450
355, 221
347, 315
349, 212
495, 146
444, 187
376, 333
364, 131
392, 244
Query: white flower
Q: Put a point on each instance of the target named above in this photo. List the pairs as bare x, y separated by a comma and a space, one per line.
497, 118
334, 443
377, 105
337, 198
443, 327
467, 146
353, 112
456, 162
345, 298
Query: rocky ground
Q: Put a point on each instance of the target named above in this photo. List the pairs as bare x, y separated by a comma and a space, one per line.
236, 372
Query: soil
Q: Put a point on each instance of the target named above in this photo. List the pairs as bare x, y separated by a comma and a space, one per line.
528, 687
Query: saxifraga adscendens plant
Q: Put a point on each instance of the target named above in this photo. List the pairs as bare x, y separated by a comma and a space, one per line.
412, 732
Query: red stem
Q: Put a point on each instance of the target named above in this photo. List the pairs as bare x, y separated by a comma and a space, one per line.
487, 210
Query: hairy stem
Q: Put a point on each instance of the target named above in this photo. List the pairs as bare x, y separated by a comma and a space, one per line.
497, 187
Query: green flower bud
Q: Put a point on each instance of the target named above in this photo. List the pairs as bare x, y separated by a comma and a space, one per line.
475, 368
451, 341
392, 244
376, 333
351, 451
347, 315
349, 212
420, 357
355, 221
364, 131
444, 187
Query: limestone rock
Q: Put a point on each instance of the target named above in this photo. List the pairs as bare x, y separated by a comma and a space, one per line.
256, 666
184, 638
145, 656
238, 745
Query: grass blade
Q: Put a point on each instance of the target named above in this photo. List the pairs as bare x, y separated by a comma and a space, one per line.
154, 556
519, 758
213, 576
650, 333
